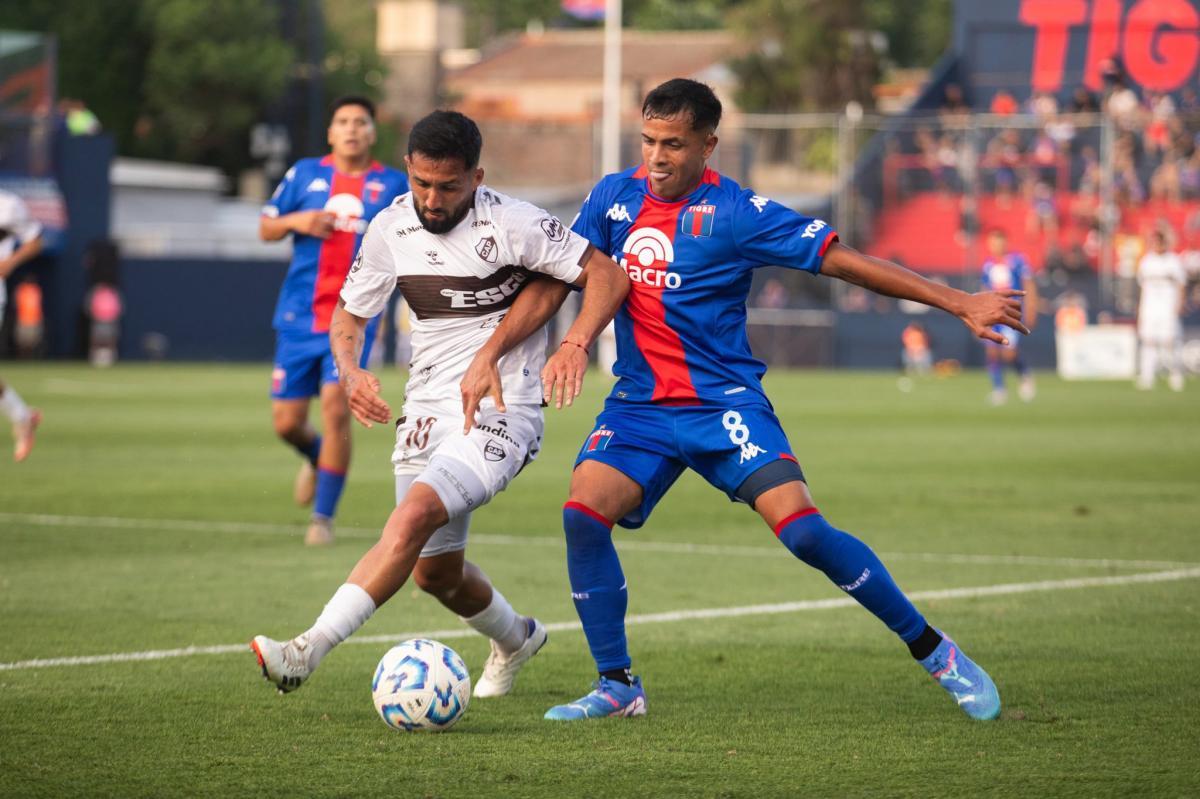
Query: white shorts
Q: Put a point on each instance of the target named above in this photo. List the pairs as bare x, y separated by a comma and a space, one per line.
465, 471
1159, 328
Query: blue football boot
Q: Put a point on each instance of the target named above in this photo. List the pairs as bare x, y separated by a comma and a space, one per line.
970, 685
608, 698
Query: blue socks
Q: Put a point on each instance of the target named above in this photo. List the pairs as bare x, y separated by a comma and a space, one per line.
311, 451
329, 491
996, 373
853, 567
597, 585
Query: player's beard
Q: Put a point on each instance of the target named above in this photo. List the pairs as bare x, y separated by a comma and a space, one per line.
446, 224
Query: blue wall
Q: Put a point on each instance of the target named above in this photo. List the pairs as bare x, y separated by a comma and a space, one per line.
207, 310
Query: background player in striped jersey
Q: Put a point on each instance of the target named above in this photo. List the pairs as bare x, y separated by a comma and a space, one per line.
689, 393
1005, 269
20, 241
482, 273
324, 204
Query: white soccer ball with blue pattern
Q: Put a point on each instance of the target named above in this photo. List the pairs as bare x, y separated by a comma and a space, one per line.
421, 685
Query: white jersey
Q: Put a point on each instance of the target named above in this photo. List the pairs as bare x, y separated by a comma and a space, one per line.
16, 227
459, 285
1161, 278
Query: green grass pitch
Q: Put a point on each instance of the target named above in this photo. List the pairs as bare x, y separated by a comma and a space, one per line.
155, 514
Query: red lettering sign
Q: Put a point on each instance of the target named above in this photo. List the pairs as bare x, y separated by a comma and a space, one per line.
1161, 43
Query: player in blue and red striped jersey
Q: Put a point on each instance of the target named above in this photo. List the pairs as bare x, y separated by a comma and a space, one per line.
1006, 269
325, 204
689, 393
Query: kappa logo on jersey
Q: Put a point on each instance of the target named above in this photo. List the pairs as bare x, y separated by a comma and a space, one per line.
493, 451
814, 227
598, 440
698, 220
487, 249
318, 184
648, 256
618, 213
553, 229
759, 202
461, 298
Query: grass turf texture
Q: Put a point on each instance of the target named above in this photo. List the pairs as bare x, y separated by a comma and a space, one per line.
1098, 700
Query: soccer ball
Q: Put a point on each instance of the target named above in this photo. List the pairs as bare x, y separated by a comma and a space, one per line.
421, 685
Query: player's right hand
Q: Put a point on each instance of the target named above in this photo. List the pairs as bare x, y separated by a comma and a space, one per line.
481, 380
315, 223
362, 392
562, 377
981, 311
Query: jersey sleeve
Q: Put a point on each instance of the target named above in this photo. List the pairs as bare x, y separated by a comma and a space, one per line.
770, 234
372, 276
284, 200
590, 221
540, 242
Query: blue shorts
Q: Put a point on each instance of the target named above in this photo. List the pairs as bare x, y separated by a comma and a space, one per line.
304, 363
653, 444
1013, 336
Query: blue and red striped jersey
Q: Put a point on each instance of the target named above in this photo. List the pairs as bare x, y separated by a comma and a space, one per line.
319, 266
681, 334
1010, 271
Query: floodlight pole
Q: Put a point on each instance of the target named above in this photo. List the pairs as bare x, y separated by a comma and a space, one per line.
610, 132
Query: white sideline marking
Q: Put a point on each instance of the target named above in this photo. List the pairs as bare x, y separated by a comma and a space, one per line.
624, 543
648, 618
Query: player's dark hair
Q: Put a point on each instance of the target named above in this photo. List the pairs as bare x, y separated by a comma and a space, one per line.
682, 96
352, 99
447, 134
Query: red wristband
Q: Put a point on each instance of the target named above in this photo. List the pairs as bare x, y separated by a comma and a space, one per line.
573, 344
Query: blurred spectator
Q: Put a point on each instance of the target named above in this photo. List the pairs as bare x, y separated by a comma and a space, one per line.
1071, 316
77, 118
1004, 155
968, 220
1043, 105
1123, 106
1083, 102
104, 310
29, 322
1004, 104
1043, 213
916, 354
953, 102
773, 294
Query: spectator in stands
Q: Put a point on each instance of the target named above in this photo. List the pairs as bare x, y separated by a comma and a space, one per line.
1158, 133
1123, 106
1004, 103
1071, 316
29, 321
1004, 156
1043, 211
1083, 102
954, 110
1166, 183
1189, 176
773, 294
916, 354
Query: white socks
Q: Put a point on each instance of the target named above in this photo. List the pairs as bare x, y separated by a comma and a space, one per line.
13, 406
348, 610
501, 623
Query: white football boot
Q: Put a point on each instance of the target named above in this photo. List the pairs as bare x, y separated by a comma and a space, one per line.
305, 487
284, 663
500, 670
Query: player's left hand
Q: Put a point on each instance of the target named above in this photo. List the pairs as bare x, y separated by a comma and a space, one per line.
562, 377
981, 311
363, 395
481, 380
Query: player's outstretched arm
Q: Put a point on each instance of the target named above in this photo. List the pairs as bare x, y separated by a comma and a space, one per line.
605, 288
537, 302
22, 254
346, 337
308, 223
979, 312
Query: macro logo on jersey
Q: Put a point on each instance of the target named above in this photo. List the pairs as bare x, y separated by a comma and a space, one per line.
698, 220
348, 210
648, 255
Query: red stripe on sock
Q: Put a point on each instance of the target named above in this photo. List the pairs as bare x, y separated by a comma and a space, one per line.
797, 515
579, 506
327, 470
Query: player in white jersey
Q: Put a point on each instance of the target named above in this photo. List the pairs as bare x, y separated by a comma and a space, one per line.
1163, 285
20, 240
481, 273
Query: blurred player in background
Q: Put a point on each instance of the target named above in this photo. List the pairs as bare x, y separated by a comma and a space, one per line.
916, 354
474, 267
325, 204
689, 391
1163, 284
20, 241
1006, 270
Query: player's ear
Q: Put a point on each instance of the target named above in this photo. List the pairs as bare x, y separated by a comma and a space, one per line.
478, 177
710, 144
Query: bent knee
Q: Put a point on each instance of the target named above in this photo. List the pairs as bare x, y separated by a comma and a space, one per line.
437, 581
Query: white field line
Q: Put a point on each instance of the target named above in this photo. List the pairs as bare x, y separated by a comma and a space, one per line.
623, 542
650, 618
